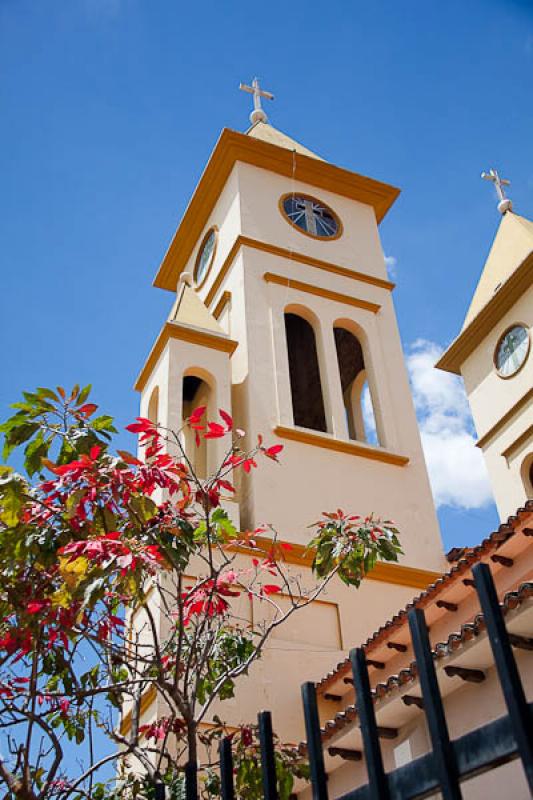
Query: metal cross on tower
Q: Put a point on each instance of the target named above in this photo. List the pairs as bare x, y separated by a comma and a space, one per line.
504, 203
258, 114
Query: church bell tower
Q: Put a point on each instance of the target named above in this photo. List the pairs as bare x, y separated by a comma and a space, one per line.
492, 354
284, 316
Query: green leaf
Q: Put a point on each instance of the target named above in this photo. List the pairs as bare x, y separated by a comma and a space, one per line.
143, 507
84, 394
18, 435
34, 453
43, 391
11, 502
103, 423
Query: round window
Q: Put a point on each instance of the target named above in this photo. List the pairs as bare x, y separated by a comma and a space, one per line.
311, 216
205, 256
511, 351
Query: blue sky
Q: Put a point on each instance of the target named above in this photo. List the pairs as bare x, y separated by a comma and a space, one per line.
110, 110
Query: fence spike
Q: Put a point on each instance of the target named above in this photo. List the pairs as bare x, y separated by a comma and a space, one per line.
512, 688
268, 762
379, 787
443, 754
226, 770
314, 742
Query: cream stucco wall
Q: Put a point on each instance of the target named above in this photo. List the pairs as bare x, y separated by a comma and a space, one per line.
491, 398
261, 391
254, 386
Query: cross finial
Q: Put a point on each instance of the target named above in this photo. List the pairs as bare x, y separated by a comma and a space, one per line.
258, 114
504, 203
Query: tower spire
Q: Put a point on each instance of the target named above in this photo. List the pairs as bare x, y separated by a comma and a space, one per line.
504, 203
258, 114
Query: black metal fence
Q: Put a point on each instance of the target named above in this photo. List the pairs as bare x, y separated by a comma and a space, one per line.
450, 762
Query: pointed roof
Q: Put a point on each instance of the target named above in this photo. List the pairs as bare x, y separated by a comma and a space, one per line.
512, 244
507, 274
267, 133
190, 310
269, 149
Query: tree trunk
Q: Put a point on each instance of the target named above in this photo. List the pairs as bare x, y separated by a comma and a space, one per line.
191, 767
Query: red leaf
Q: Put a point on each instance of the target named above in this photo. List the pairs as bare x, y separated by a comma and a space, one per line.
227, 419
215, 431
128, 458
271, 588
142, 425
197, 414
273, 451
94, 452
35, 606
88, 409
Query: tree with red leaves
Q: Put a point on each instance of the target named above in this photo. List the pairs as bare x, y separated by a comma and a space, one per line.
99, 612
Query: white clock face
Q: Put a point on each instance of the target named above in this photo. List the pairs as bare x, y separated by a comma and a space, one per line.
512, 351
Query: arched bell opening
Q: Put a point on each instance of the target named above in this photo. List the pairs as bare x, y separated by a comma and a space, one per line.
304, 373
356, 392
526, 472
153, 406
197, 390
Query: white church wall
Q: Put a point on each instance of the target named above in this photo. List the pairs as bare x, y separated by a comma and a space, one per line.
332, 479
358, 248
491, 397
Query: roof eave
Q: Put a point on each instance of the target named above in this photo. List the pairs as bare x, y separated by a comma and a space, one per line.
453, 358
232, 147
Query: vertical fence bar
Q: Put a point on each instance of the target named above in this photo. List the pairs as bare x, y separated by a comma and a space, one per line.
314, 742
512, 688
191, 780
227, 790
443, 754
268, 762
379, 787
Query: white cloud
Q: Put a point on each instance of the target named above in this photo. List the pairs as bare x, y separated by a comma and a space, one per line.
369, 419
456, 466
391, 263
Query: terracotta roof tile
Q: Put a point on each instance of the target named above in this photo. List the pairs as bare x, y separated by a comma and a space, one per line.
453, 643
470, 556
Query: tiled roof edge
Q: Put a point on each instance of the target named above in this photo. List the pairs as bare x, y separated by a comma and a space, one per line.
471, 556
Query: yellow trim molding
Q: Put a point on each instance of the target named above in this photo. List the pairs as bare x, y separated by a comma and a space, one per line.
346, 299
303, 556
233, 147
171, 330
486, 320
146, 701
225, 299
517, 444
507, 417
341, 446
301, 258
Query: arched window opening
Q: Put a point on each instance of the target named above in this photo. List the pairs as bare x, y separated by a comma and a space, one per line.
153, 406
304, 371
196, 392
527, 475
360, 417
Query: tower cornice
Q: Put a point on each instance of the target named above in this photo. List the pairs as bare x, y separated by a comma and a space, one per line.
233, 147
485, 320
